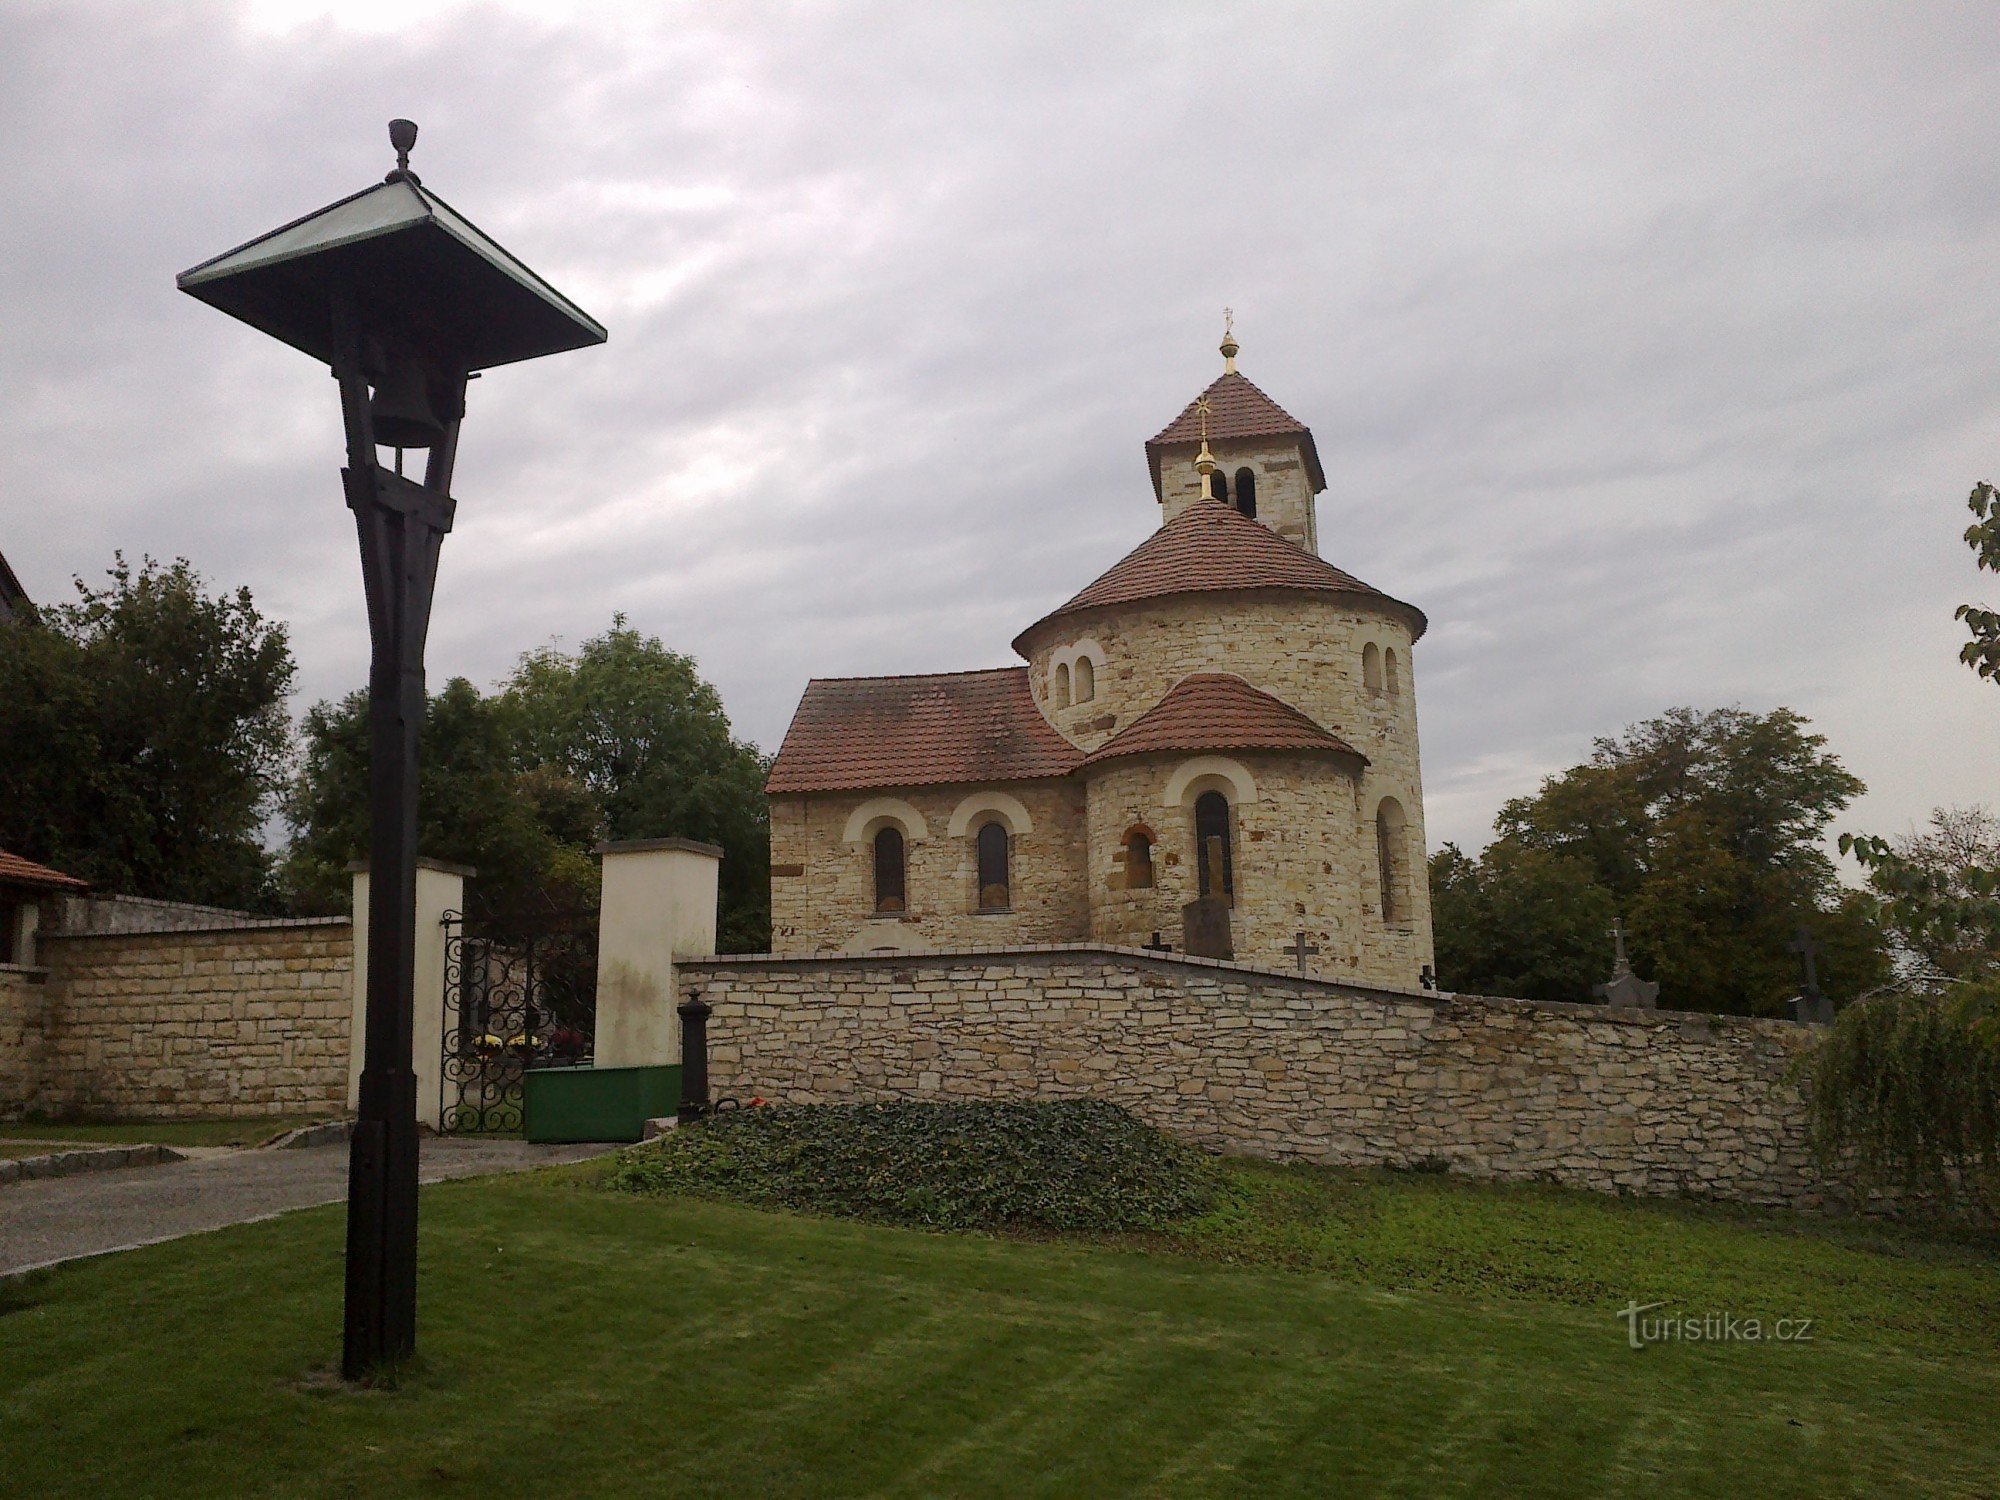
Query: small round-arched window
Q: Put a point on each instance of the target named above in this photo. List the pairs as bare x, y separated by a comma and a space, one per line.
1214, 861
1086, 679
1138, 860
1246, 492
1392, 862
1061, 689
890, 869
1371, 667
1392, 674
990, 852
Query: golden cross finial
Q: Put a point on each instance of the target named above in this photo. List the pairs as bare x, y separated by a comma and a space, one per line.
1229, 344
1202, 409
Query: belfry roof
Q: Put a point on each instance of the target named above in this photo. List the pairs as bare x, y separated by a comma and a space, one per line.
1212, 547
1220, 711
1236, 409
852, 733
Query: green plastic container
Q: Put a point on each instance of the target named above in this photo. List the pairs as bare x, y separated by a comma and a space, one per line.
597, 1104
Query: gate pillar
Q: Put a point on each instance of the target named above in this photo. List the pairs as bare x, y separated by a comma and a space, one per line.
440, 889
658, 905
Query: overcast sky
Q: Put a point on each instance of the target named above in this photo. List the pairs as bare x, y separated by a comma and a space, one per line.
1651, 350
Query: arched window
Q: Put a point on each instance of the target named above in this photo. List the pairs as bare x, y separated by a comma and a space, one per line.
1371, 667
1246, 493
889, 894
1392, 862
1086, 680
990, 846
1211, 843
1218, 487
1138, 860
1392, 674
1062, 685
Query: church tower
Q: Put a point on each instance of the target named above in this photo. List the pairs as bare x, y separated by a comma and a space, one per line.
1235, 444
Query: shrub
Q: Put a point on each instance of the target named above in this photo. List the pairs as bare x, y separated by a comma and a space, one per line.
1905, 1095
1073, 1165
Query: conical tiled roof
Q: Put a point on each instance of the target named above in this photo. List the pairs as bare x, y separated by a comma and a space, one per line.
1236, 409
1220, 711
1210, 547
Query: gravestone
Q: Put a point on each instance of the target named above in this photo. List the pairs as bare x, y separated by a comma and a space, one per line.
1625, 989
1205, 928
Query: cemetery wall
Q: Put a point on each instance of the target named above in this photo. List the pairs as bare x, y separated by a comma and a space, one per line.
242, 1021
1284, 1066
23, 1001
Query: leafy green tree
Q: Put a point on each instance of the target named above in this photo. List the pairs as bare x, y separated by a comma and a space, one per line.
620, 740
1703, 831
635, 723
143, 736
525, 829
1939, 892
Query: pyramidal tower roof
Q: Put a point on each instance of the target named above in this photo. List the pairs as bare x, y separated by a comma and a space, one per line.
1236, 409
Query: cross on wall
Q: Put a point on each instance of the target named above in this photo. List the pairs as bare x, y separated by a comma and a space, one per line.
1301, 950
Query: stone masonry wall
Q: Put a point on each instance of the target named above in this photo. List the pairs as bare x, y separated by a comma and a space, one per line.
241, 1022
823, 885
24, 997
1273, 1065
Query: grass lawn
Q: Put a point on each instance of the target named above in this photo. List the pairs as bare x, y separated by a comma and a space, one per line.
1322, 1334
158, 1132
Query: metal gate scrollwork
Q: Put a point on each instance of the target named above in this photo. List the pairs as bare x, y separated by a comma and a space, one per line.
520, 993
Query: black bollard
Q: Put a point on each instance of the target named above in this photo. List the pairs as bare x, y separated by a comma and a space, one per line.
694, 1014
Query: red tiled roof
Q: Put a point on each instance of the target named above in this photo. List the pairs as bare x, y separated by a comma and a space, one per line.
1220, 711
1210, 546
851, 733
1237, 409
15, 870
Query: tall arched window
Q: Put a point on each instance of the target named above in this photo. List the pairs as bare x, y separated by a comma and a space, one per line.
1086, 680
1392, 674
1218, 487
1371, 667
1062, 685
889, 893
1211, 843
1392, 861
1246, 493
1138, 860
990, 847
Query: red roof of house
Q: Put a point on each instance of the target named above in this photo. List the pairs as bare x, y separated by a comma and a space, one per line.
1211, 546
1220, 711
852, 733
15, 870
1236, 409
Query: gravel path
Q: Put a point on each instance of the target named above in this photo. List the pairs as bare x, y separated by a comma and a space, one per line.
56, 1219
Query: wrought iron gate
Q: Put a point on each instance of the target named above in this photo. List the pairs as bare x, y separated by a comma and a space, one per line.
520, 993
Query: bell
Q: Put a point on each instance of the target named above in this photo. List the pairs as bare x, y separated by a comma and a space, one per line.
401, 409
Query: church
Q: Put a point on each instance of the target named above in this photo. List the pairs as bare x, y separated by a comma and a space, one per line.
1222, 714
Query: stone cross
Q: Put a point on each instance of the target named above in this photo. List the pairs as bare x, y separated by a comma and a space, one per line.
1625, 989
1302, 950
1811, 1008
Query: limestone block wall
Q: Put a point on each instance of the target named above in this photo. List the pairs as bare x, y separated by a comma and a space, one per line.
1284, 493
823, 880
23, 1015
235, 1022
1273, 1065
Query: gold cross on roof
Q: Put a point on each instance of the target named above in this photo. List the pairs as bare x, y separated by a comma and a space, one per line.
1202, 409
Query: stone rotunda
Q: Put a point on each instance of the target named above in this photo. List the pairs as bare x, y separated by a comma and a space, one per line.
1222, 713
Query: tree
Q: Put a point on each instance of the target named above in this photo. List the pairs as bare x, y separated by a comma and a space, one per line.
143, 736
528, 830
635, 723
621, 740
1940, 892
1703, 832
